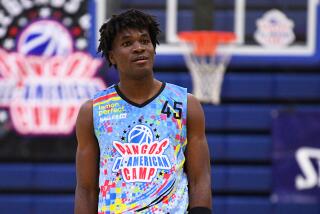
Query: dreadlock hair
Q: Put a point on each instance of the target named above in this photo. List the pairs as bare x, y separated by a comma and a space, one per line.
127, 20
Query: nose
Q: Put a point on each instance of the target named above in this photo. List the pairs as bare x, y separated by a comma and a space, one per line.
138, 47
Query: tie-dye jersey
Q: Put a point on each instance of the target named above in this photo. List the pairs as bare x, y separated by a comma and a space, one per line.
142, 151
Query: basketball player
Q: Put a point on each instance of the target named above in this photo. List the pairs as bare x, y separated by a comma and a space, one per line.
141, 143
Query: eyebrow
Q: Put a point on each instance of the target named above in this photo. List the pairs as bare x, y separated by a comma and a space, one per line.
129, 36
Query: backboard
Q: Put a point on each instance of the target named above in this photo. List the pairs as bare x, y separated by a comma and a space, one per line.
263, 28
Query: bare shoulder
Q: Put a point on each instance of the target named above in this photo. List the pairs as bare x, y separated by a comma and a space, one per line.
195, 119
85, 112
194, 107
84, 124
86, 107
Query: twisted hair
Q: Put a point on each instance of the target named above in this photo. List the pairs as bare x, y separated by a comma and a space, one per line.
127, 20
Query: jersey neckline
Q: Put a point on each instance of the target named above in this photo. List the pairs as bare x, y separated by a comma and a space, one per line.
137, 104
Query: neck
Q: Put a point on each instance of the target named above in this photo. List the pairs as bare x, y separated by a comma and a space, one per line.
139, 90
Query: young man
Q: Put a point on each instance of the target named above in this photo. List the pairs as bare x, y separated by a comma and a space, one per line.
141, 143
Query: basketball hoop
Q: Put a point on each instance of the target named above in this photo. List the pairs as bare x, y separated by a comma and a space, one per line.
206, 64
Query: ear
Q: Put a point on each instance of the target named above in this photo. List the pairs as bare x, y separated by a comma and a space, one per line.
111, 58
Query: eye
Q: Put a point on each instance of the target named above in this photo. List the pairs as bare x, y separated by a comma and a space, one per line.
126, 44
145, 41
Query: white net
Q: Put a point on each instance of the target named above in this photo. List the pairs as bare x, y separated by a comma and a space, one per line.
207, 74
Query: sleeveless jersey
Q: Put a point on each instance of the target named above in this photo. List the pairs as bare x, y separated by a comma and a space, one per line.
142, 151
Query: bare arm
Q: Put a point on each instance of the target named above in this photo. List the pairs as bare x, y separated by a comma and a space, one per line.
87, 163
197, 157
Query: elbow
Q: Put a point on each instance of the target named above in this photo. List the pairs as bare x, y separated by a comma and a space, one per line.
87, 190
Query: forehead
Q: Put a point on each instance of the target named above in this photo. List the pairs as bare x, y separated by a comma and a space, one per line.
130, 32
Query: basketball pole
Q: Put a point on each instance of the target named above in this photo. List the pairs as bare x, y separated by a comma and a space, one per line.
203, 14
171, 21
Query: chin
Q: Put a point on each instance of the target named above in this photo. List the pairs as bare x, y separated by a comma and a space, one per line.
140, 74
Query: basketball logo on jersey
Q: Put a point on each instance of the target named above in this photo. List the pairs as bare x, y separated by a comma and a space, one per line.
141, 157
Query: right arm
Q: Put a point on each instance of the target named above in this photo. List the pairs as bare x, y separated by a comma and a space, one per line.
87, 163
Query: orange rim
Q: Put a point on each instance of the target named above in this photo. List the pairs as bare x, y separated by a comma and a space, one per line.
206, 42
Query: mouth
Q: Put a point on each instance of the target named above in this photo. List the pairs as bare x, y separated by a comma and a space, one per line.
140, 59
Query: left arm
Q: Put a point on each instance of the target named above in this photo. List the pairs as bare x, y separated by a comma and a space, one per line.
197, 157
